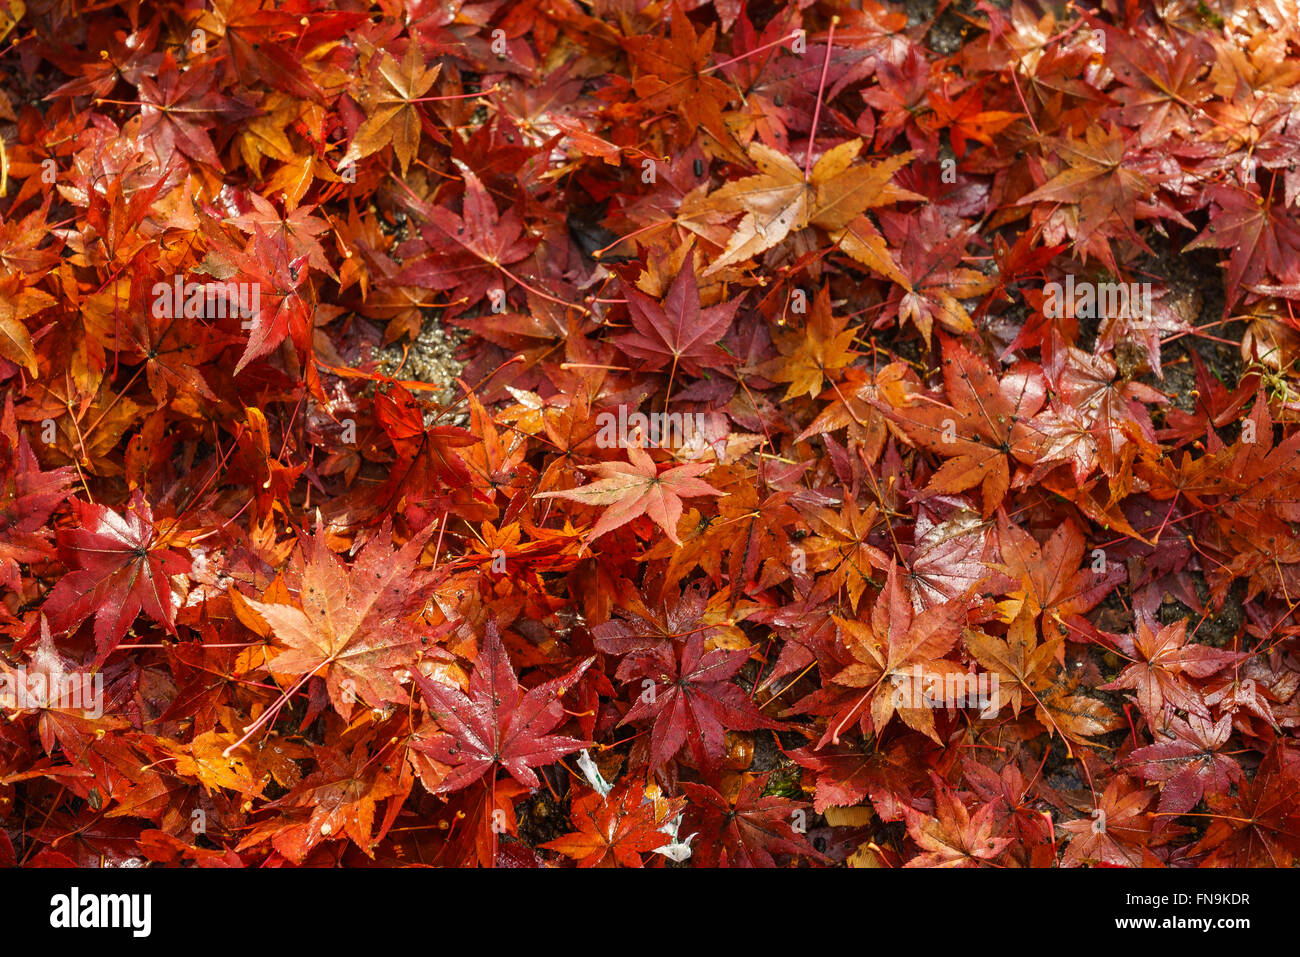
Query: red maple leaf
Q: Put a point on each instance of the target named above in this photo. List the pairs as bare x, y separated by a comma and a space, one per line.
358, 623
747, 831
471, 254
1162, 663
1116, 832
615, 829
850, 771
975, 435
690, 697
497, 723
965, 117
1262, 235
427, 463
123, 566
953, 837
1052, 583
28, 497
678, 329
1260, 825
1186, 762
931, 251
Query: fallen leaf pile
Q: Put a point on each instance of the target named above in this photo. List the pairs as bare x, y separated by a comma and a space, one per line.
649, 433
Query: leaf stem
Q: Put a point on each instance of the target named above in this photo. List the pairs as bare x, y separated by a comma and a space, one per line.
821, 86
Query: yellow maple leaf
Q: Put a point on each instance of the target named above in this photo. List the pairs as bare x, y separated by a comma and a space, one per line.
781, 199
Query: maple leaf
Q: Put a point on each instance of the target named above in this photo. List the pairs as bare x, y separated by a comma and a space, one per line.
427, 461
358, 622
1260, 825
117, 213
123, 567
1162, 86
638, 628
948, 557
900, 94
62, 699
254, 37
342, 794
1054, 586
28, 497
676, 76
172, 350
680, 210
931, 278
1163, 661
781, 199
1010, 791
296, 229
1015, 262
1023, 666
976, 434
496, 723
1061, 434
898, 653
678, 330
1248, 688
218, 760
853, 406
18, 303
748, 534
471, 252
821, 347
842, 547
965, 118
24, 248
639, 488
689, 695
1078, 718
748, 830
1117, 831
850, 771
953, 838
281, 312
615, 829
1262, 235
175, 107
1026, 668
1186, 762
1105, 181
392, 114
127, 56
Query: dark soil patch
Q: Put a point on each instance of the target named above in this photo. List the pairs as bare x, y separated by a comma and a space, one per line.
1215, 628
542, 818
1196, 292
